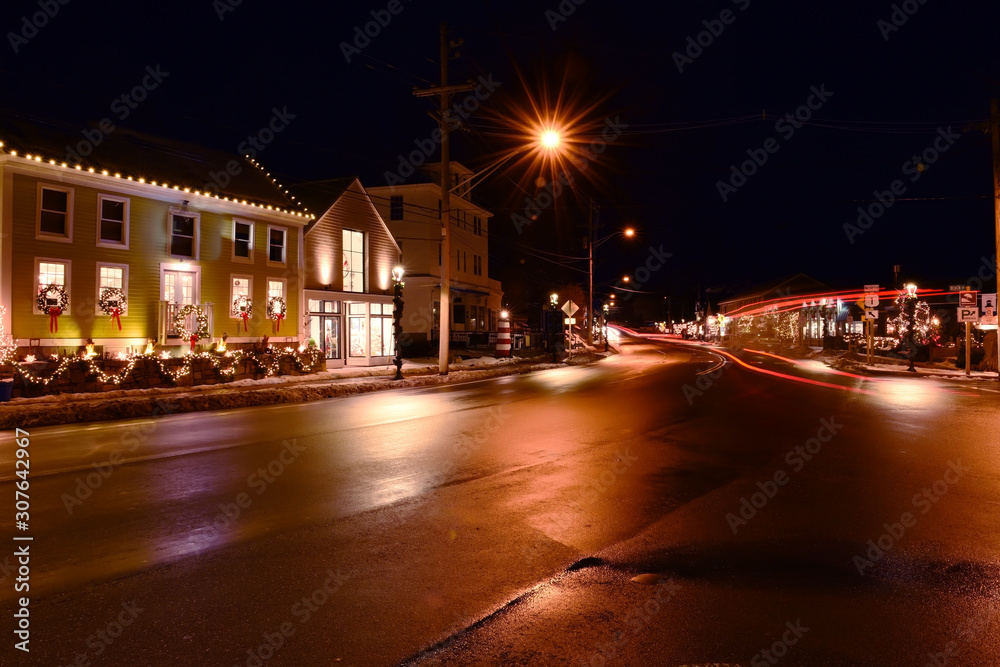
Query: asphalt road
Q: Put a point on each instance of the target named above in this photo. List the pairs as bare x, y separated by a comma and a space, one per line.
363, 531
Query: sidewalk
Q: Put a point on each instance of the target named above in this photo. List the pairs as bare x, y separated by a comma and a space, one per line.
841, 361
334, 383
899, 368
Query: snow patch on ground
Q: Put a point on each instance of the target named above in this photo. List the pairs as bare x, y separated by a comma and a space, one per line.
132, 403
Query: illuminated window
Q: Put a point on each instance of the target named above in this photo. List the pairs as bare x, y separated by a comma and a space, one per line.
275, 288
51, 272
112, 225
111, 276
354, 261
242, 286
382, 339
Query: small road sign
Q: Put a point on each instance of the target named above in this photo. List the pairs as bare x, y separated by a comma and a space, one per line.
569, 308
871, 314
872, 288
968, 314
967, 299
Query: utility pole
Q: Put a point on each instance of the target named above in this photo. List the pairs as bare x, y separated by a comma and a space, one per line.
995, 140
445, 91
590, 256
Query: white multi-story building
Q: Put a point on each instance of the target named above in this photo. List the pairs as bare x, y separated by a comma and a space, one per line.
414, 215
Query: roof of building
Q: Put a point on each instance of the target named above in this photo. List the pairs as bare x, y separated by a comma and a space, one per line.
106, 147
321, 196
318, 196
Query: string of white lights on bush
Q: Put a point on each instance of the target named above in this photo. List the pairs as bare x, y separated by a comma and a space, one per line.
7, 348
225, 364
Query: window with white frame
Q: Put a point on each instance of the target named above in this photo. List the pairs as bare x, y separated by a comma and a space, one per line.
55, 213
51, 272
276, 240
112, 221
111, 276
275, 288
184, 228
383, 340
241, 294
354, 261
242, 240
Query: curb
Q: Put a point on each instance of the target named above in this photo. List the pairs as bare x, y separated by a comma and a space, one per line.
220, 397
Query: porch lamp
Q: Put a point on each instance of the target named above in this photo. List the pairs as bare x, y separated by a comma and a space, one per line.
911, 312
397, 319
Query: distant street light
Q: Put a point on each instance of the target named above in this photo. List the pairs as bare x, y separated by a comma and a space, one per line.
397, 319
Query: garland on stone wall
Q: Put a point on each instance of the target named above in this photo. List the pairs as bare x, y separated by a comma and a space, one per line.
225, 364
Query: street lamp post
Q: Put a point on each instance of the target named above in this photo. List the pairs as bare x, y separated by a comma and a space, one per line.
604, 317
591, 244
911, 311
554, 304
397, 319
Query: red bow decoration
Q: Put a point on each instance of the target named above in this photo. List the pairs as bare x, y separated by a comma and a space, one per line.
116, 317
54, 318
245, 315
194, 339
278, 320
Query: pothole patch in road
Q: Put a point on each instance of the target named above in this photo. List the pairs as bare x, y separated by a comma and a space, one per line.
583, 563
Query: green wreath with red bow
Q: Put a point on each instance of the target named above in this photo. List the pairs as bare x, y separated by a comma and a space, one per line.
114, 303
243, 308
276, 310
46, 296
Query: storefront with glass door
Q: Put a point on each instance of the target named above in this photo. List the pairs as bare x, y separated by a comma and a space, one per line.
351, 329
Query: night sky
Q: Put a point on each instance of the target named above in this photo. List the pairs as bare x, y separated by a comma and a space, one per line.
686, 113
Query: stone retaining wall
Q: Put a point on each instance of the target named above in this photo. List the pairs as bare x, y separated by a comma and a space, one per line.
146, 373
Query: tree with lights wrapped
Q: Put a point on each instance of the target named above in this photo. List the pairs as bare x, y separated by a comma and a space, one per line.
924, 329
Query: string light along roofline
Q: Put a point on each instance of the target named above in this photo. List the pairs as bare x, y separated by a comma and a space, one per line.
34, 157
